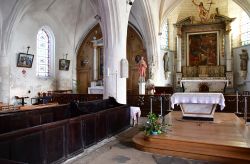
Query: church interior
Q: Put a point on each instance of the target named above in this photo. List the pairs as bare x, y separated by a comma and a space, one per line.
74, 73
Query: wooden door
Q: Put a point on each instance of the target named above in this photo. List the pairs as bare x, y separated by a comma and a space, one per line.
83, 81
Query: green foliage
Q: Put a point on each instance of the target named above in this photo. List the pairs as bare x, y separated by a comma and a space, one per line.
153, 125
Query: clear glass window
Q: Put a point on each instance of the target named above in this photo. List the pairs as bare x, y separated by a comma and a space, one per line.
164, 36
245, 29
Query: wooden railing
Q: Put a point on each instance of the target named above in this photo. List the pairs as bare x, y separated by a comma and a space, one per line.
143, 101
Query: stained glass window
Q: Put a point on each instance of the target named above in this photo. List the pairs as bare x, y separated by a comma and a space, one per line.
44, 53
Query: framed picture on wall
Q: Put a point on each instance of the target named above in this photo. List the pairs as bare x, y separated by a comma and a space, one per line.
64, 64
25, 60
203, 49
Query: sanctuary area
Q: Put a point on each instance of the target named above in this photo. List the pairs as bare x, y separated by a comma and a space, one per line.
75, 74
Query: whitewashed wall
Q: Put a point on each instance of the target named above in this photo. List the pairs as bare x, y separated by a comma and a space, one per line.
69, 23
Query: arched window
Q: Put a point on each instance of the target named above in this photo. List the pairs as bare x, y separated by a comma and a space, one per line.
164, 36
45, 52
244, 29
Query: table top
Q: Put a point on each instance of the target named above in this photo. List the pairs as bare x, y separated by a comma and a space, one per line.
198, 98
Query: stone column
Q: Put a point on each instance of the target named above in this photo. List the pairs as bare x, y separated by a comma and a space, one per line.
95, 63
4, 80
114, 22
228, 51
178, 64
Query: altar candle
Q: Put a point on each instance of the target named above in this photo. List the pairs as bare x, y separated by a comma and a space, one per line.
151, 104
237, 99
161, 105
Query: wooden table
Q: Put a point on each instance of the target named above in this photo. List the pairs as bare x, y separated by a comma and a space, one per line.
22, 98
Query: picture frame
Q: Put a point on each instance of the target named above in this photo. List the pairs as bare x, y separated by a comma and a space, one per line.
64, 64
203, 49
25, 60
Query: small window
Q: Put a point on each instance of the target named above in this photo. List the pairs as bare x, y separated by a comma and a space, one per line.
164, 36
245, 29
45, 48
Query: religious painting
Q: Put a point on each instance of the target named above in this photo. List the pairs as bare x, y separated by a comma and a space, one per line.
25, 60
202, 49
64, 64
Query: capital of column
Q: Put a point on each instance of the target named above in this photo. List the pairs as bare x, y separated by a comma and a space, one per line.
228, 28
179, 32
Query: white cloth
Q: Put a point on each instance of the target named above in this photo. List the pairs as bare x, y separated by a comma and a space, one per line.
133, 111
198, 98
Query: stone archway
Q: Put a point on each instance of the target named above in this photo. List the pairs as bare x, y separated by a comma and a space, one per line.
135, 48
84, 63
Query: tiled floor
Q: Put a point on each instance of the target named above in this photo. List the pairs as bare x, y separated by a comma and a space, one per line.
119, 149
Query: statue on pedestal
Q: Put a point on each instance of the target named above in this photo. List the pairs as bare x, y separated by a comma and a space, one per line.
142, 66
243, 63
165, 60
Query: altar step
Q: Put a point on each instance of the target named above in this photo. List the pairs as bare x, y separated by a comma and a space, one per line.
224, 140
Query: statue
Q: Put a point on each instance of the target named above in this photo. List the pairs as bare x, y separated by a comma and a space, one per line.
142, 66
243, 63
243, 60
203, 12
165, 66
165, 60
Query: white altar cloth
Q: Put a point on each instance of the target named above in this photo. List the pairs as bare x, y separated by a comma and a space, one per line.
95, 90
215, 85
135, 113
198, 104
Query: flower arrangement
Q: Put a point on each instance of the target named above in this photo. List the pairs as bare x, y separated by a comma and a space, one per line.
153, 125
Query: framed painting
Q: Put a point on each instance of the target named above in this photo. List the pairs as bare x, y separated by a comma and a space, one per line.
25, 60
203, 49
64, 64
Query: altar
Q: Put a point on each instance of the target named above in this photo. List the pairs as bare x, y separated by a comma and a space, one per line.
95, 90
214, 85
198, 105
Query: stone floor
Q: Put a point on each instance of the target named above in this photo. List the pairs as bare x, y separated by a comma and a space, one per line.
119, 149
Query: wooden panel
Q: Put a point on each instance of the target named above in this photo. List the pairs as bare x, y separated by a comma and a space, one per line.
101, 126
18, 122
83, 78
55, 143
5, 150
132, 81
23, 149
90, 130
75, 142
46, 117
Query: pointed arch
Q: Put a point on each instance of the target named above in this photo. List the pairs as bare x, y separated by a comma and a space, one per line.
45, 52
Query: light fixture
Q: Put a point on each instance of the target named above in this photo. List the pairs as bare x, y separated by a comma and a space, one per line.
84, 62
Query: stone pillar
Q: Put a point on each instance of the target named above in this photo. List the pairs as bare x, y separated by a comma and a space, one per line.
95, 63
178, 64
4, 80
114, 22
228, 51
